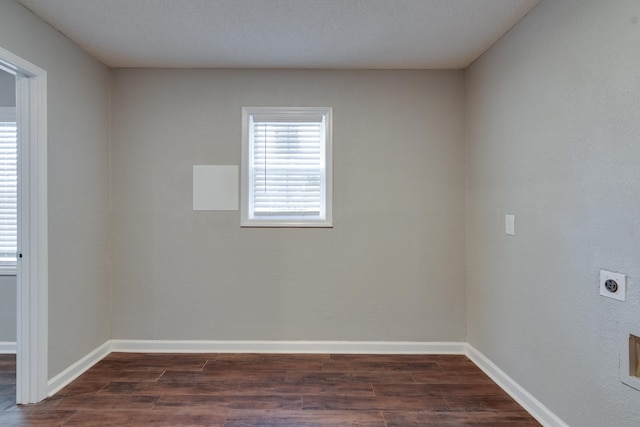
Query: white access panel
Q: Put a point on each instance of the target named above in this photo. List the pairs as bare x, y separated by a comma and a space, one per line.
215, 188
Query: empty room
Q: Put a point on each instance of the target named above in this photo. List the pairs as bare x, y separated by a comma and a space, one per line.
320, 212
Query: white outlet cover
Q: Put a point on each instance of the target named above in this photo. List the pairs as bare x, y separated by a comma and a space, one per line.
620, 279
510, 225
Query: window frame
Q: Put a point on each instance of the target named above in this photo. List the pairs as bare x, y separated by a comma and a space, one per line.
325, 218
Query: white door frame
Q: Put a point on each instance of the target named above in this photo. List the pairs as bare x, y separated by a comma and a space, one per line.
32, 271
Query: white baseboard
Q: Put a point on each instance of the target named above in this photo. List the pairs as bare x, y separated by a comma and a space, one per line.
356, 347
58, 382
519, 394
8, 347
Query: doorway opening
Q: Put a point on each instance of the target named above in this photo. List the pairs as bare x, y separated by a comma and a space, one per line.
8, 239
31, 254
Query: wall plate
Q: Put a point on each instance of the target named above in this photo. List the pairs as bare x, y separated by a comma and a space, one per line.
510, 225
616, 289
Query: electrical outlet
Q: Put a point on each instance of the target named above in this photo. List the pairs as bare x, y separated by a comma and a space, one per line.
613, 285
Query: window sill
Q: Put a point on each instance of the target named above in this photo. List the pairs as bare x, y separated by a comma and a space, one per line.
286, 224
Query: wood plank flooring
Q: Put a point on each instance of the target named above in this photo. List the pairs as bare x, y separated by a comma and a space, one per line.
134, 389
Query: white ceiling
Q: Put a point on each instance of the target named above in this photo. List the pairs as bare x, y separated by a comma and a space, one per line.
383, 34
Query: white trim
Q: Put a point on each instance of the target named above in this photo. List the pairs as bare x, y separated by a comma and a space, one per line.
532, 405
335, 347
65, 377
32, 277
8, 347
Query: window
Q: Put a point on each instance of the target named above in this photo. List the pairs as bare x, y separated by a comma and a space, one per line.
8, 190
286, 160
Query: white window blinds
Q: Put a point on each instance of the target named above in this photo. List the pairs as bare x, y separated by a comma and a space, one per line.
8, 192
287, 167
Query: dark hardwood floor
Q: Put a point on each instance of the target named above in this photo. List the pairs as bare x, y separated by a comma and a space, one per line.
128, 389
7, 381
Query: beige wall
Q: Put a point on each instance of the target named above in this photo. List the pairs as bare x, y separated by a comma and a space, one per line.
553, 129
7, 308
392, 268
78, 180
7, 89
